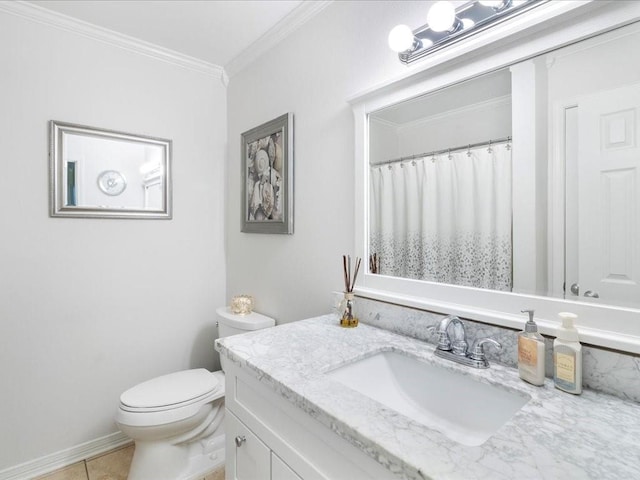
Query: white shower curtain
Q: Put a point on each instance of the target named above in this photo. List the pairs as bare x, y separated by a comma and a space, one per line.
445, 218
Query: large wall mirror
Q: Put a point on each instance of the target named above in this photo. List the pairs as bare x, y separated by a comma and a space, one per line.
524, 178
102, 173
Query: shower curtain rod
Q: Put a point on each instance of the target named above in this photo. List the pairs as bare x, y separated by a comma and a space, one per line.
445, 150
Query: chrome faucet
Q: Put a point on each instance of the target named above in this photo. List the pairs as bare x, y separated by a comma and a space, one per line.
454, 346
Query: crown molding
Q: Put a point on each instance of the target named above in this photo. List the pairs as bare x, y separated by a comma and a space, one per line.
502, 100
64, 22
495, 102
384, 121
285, 27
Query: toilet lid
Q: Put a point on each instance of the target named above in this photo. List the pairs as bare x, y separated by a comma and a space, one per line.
172, 389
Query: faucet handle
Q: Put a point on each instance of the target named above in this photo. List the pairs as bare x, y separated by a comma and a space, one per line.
477, 351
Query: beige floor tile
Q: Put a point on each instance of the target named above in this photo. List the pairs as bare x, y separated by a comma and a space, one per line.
111, 466
216, 475
77, 471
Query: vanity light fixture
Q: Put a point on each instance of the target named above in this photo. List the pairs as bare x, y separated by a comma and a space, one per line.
447, 24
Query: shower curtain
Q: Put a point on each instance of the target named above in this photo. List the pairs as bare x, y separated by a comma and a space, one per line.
445, 218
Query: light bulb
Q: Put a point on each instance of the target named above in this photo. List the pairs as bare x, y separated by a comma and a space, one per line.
441, 16
400, 38
467, 23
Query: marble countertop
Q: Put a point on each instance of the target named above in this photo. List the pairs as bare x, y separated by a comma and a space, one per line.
554, 436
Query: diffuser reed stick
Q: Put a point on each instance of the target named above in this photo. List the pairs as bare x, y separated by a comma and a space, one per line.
374, 263
346, 275
350, 283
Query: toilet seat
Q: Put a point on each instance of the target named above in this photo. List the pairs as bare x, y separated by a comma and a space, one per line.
170, 398
170, 391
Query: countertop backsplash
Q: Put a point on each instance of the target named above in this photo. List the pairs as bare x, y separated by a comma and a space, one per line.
613, 372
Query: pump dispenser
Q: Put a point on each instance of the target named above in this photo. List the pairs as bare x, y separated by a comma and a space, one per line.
567, 356
531, 352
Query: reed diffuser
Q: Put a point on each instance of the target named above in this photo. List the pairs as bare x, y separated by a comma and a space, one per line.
374, 263
348, 320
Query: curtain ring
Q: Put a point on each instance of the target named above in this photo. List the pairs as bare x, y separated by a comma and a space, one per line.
449, 154
469, 151
490, 150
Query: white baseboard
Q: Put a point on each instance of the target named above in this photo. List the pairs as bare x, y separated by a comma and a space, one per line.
63, 458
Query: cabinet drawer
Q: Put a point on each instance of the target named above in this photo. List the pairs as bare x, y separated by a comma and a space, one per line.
251, 457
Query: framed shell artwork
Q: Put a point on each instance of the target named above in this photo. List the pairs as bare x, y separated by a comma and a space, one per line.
267, 170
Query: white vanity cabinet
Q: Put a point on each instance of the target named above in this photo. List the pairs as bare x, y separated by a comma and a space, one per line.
268, 437
282, 471
252, 459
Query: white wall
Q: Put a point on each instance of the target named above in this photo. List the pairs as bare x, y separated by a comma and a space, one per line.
474, 124
383, 141
90, 307
338, 53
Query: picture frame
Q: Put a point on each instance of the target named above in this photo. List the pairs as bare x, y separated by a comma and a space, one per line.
267, 177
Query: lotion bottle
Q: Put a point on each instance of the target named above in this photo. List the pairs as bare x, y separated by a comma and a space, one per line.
531, 352
567, 356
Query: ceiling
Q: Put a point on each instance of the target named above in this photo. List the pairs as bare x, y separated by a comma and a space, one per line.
214, 31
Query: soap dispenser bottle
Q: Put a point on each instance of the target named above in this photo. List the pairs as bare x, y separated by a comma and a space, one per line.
531, 352
567, 356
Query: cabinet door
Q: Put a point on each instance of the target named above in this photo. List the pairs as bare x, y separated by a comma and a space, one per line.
248, 458
280, 470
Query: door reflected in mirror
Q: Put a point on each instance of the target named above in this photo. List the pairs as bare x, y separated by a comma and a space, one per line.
101, 173
524, 179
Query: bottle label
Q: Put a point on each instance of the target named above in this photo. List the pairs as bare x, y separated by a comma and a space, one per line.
527, 351
565, 370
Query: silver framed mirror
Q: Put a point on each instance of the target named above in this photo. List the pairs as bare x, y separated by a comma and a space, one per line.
108, 174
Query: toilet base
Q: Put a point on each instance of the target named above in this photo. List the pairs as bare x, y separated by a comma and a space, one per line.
188, 455
163, 461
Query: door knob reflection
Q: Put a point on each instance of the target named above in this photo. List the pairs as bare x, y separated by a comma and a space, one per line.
575, 289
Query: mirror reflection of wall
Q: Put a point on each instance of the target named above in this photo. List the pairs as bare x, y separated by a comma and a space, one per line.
441, 204
106, 173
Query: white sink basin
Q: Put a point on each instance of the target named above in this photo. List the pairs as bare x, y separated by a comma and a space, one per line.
465, 410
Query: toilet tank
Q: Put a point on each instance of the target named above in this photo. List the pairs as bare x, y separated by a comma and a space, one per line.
232, 324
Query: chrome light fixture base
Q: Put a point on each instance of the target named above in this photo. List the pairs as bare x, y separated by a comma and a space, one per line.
471, 18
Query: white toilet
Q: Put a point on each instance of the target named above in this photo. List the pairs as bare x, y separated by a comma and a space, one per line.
176, 420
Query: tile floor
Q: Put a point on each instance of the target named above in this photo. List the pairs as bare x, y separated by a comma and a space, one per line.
112, 465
